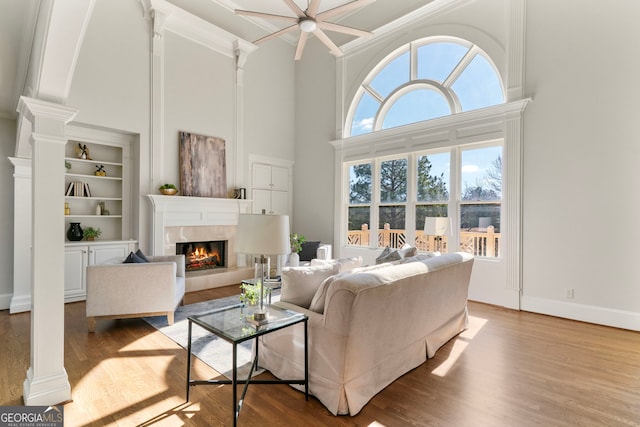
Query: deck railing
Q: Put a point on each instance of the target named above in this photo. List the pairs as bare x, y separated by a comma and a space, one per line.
479, 242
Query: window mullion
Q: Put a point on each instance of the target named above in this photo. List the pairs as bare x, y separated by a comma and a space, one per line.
455, 196
375, 204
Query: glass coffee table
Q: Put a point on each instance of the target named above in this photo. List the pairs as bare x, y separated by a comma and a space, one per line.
234, 325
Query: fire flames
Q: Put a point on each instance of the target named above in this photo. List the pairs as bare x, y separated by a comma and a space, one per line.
200, 258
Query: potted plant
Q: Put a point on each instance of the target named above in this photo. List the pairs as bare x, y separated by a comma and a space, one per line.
296, 240
251, 293
168, 189
91, 233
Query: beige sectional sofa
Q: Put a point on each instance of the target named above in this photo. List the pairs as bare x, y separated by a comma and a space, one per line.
371, 325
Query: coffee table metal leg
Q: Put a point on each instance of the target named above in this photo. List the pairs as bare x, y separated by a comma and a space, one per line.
234, 383
189, 360
306, 362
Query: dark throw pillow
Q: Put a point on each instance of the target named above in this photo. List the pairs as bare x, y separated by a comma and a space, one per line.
133, 258
308, 251
141, 255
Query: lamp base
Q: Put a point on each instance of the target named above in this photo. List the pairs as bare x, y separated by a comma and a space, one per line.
259, 315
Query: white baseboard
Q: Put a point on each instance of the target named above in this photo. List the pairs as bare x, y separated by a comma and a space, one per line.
5, 301
584, 313
20, 304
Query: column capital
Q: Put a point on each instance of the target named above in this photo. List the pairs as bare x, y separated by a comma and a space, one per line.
32, 109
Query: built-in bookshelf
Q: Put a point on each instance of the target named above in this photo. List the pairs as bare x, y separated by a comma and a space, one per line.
97, 182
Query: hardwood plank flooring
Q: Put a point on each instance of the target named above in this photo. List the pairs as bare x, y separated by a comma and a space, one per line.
509, 369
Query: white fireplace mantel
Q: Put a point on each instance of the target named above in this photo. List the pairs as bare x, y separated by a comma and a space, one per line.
182, 211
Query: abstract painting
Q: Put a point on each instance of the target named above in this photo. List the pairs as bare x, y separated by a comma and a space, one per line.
203, 171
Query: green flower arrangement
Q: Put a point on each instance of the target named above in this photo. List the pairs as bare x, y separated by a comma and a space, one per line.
251, 293
296, 241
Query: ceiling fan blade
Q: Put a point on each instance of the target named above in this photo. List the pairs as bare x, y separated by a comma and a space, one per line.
313, 8
327, 41
277, 34
265, 15
302, 40
294, 7
342, 29
356, 4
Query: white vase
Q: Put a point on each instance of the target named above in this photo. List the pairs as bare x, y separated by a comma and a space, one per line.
294, 259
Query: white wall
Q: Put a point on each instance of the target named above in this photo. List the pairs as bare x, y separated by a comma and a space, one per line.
199, 98
315, 127
7, 149
581, 160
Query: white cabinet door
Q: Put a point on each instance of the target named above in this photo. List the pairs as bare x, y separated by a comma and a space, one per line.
75, 263
261, 176
104, 253
261, 200
280, 202
279, 178
270, 189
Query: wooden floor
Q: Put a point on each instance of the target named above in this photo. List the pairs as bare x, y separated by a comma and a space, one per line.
509, 369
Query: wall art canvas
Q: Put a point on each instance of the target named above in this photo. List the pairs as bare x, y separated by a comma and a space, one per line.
203, 171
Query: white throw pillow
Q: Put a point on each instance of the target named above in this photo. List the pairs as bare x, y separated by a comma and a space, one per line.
317, 303
346, 264
299, 284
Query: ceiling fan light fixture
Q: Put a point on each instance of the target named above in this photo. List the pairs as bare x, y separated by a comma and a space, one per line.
308, 25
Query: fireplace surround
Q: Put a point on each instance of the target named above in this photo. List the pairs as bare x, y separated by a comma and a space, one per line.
196, 219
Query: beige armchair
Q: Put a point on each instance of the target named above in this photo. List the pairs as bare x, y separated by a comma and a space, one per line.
118, 291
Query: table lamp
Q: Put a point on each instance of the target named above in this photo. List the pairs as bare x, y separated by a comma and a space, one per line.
262, 235
436, 226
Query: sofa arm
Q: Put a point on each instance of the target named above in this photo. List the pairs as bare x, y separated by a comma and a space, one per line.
178, 259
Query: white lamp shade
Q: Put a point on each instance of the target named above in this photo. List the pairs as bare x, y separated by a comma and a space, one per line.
436, 226
263, 234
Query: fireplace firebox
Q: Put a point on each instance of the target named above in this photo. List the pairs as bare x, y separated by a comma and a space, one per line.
203, 255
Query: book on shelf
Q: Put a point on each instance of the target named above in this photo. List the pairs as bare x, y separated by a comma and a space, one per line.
78, 189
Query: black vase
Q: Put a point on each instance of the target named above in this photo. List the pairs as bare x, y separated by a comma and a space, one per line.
74, 233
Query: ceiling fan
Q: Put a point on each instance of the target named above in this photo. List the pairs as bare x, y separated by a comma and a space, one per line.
310, 21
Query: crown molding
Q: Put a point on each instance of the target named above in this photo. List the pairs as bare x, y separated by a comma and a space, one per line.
196, 29
431, 9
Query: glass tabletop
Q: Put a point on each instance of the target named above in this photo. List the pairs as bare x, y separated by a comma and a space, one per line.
234, 323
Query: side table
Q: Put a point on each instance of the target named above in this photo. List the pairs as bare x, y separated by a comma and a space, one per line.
232, 325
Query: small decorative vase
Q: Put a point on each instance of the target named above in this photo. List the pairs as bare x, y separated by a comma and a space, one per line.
74, 233
294, 259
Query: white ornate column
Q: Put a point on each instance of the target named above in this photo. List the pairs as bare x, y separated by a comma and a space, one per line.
21, 299
47, 382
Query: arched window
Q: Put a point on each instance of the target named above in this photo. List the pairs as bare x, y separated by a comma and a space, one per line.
423, 80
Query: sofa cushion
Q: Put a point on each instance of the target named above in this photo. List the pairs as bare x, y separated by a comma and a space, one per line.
133, 258
299, 284
308, 251
345, 264
317, 303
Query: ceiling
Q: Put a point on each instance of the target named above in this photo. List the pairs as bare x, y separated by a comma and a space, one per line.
18, 17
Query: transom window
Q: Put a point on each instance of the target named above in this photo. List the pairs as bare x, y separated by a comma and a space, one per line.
423, 80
